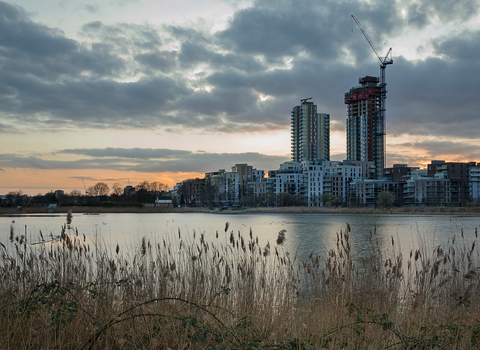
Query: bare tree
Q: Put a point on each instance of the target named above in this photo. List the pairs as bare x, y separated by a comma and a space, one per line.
157, 186
117, 189
99, 189
75, 193
144, 185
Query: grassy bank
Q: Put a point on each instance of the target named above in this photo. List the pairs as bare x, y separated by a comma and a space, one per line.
186, 293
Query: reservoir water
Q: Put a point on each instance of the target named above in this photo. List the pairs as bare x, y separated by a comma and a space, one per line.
305, 233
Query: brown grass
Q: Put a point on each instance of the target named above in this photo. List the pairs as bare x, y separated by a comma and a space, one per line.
187, 293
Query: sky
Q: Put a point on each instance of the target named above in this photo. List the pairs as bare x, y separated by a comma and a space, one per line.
132, 90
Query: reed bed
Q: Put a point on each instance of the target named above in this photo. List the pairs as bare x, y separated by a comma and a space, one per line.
187, 293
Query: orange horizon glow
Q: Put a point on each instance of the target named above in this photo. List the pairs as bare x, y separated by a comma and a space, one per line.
69, 180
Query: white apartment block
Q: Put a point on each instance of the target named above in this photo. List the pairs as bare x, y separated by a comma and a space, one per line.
292, 183
329, 177
427, 191
226, 185
475, 183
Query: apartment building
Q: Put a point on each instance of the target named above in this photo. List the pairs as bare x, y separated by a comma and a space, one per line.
458, 173
475, 183
329, 177
310, 133
427, 191
224, 186
365, 124
364, 192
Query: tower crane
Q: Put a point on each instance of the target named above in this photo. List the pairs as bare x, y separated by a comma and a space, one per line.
84, 187
305, 99
384, 61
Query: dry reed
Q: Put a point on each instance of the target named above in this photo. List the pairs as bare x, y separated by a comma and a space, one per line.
184, 293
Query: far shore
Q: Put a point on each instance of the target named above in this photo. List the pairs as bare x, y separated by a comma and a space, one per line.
267, 210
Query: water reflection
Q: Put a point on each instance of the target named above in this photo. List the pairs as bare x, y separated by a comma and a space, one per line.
306, 233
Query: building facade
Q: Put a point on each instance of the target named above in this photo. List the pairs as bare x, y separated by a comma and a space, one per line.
310, 133
475, 183
458, 173
364, 192
365, 124
330, 178
224, 186
427, 191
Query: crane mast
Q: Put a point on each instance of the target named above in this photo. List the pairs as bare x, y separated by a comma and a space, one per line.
384, 61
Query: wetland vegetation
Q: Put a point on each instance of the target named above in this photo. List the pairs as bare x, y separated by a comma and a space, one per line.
188, 293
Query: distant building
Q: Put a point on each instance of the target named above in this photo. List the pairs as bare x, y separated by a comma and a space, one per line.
399, 172
427, 191
365, 124
364, 192
129, 191
245, 175
329, 177
458, 173
310, 133
224, 185
475, 183
162, 202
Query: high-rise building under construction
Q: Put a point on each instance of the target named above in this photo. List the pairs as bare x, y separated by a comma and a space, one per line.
310, 133
365, 124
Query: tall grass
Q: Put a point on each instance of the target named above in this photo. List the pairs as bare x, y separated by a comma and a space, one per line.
187, 293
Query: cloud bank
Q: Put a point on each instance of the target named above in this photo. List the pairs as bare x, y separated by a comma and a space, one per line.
172, 77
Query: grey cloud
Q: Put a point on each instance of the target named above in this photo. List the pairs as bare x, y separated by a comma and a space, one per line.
433, 97
279, 29
229, 103
88, 178
30, 48
90, 8
17, 32
138, 153
275, 34
84, 178
94, 102
164, 61
75, 84
436, 148
464, 48
406, 158
191, 54
124, 37
417, 17
124, 2
7, 129
188, 34
121, 159
420, 14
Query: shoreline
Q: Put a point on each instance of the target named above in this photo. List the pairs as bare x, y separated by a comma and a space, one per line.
268, 210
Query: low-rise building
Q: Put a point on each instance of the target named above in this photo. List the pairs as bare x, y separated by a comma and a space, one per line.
364, 192
332, 178
458, 173
427, 191
475, 183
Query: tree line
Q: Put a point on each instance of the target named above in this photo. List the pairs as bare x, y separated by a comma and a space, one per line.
101, 192
102, 188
